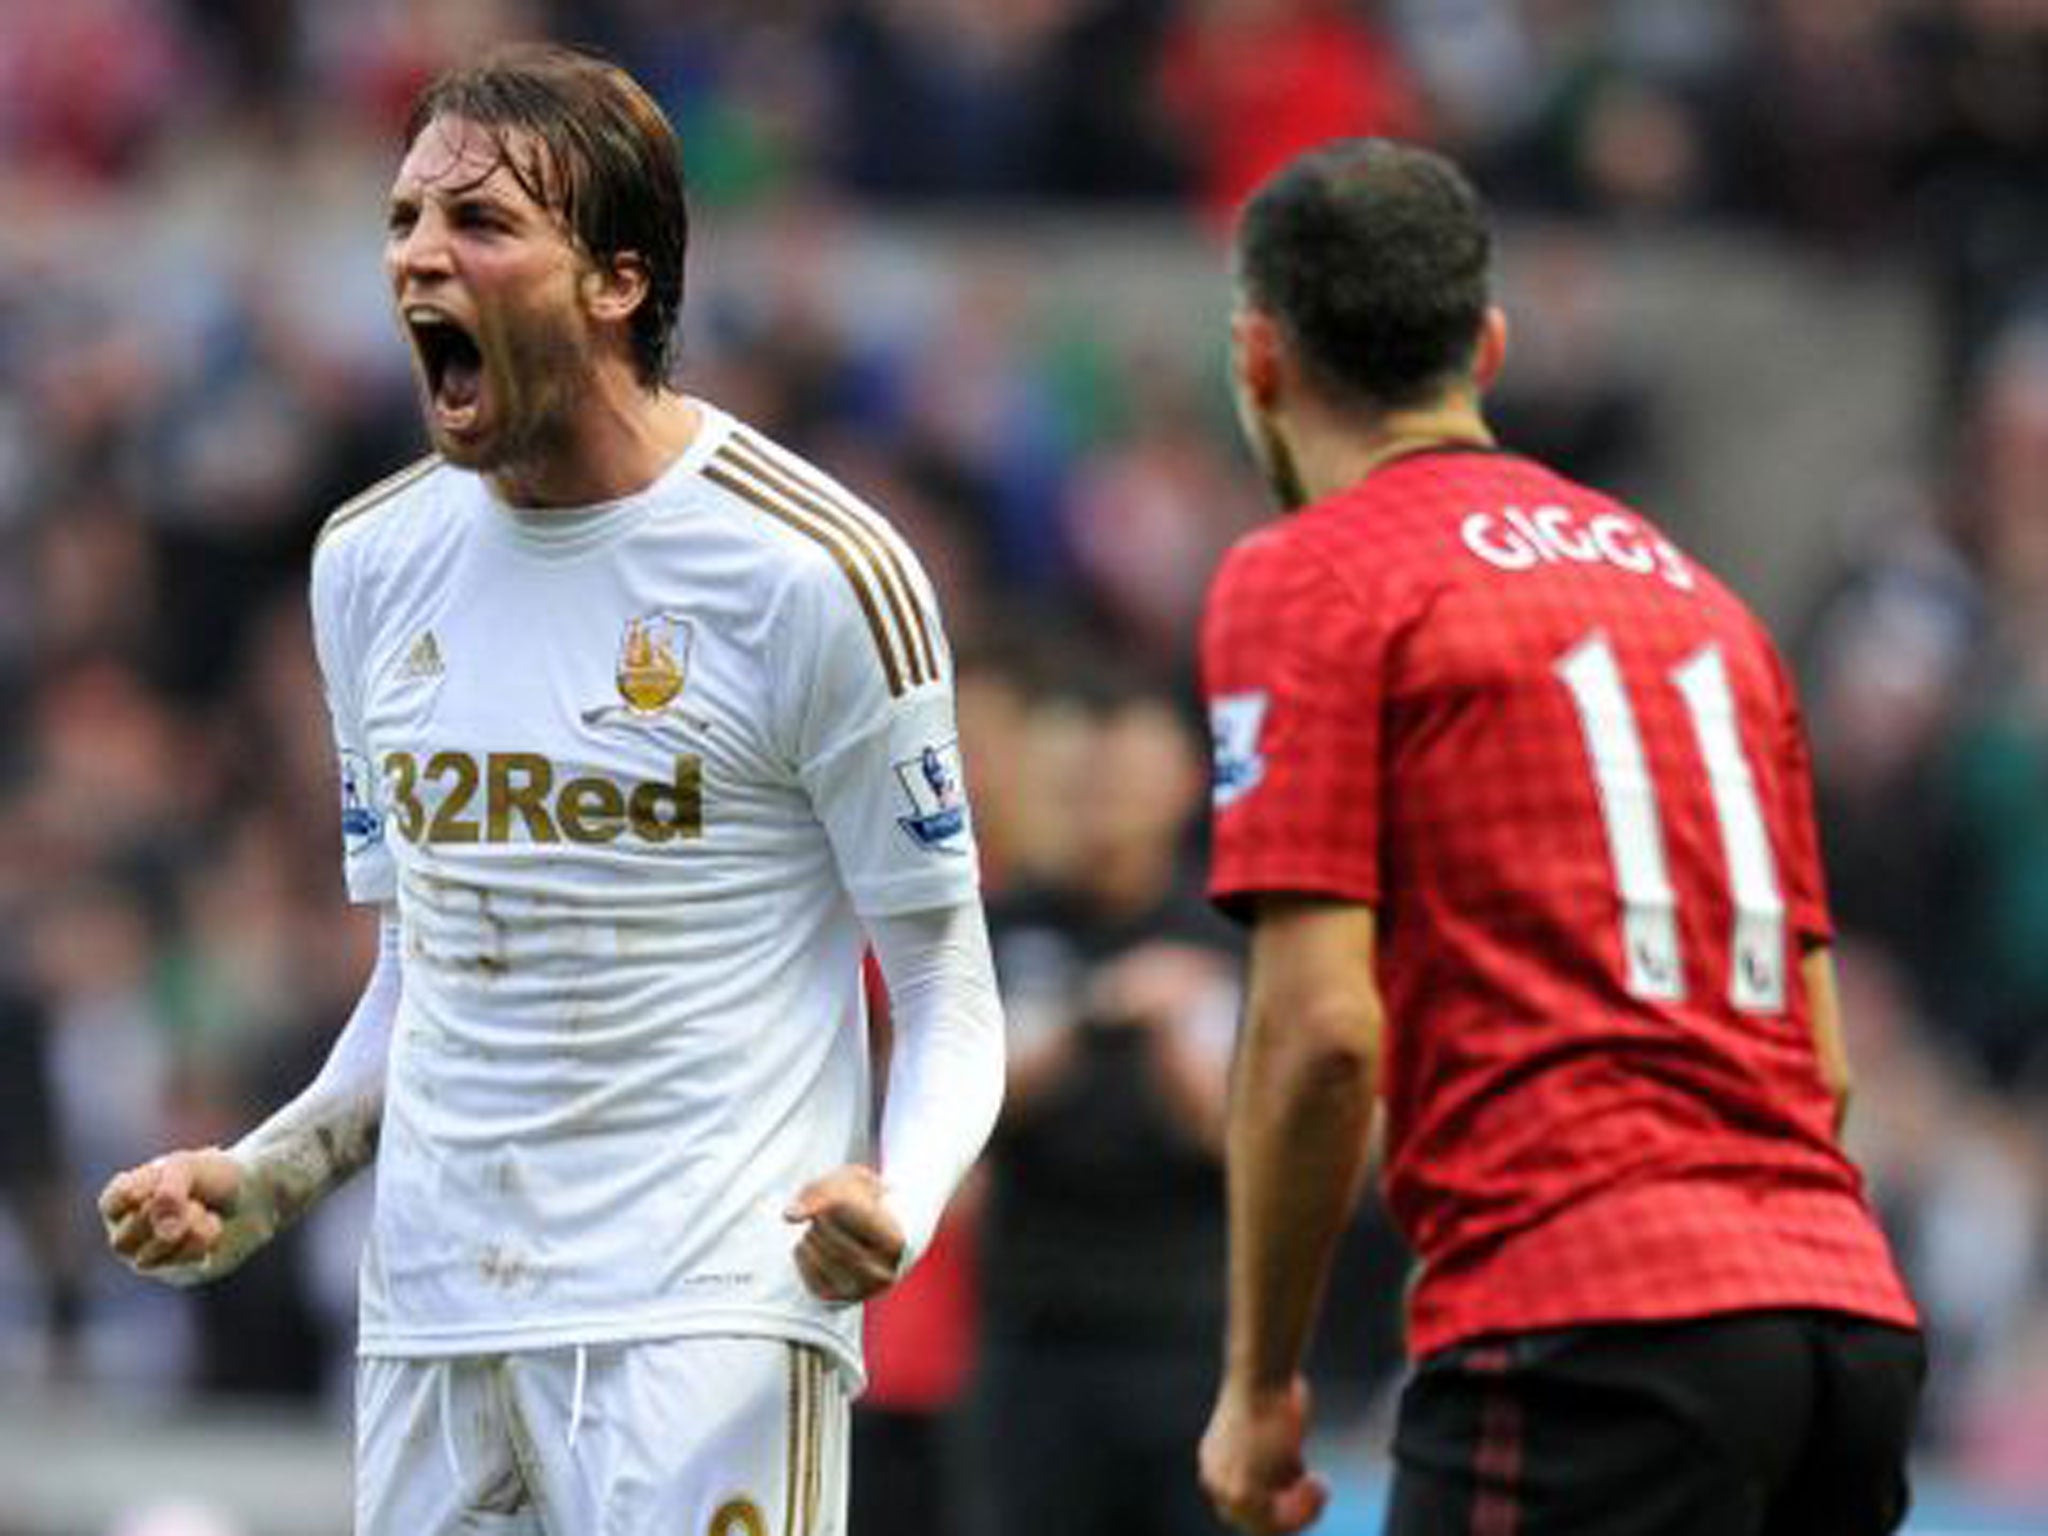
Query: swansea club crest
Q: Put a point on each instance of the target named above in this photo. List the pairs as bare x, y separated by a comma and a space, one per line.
653, 665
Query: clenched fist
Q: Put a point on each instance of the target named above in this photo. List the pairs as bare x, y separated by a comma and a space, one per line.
184, 1217
854, 1246
1251, 1461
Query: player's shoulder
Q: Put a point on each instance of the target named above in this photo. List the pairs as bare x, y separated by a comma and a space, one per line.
1262, 559
380, 509
1278, 587
796, 507
1324, 553
832, 554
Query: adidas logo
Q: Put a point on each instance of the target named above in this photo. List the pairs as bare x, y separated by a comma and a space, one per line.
424, 659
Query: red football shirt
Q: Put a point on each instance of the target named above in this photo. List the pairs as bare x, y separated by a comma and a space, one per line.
1565, 766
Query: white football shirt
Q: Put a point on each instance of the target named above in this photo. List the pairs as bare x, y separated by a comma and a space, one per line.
632, 774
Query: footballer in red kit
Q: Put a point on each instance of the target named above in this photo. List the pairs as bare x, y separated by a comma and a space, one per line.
1569, 776
1515, 797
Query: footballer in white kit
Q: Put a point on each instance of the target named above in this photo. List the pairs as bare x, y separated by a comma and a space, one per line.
634, 776
635, 781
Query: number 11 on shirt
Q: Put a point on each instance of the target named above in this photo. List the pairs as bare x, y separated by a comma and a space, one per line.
1635, 838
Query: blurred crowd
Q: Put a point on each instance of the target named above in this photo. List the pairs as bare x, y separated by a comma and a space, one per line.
176, 418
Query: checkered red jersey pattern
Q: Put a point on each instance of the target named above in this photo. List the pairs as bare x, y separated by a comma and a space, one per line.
1566, 767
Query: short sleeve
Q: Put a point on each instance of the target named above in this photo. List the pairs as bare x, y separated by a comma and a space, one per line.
1806, 901
876, 743
367, 864
1292, 672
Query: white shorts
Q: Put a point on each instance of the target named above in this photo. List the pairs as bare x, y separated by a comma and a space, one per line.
713, 1436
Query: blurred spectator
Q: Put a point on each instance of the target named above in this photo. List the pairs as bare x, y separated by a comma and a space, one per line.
1821, 116
962, 100
85, 85
1634, 145
38, 1262
1982, 138
1574, 394
1150, 515
1479, 68
110, 1066
2002, 1441
1577, 105
1103, 1233
1105, 133
938, 97
1884, 658
1251, 82
1995, 760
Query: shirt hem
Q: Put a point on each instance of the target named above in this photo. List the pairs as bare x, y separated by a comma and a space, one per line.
1233, 892
1895, 1312
372, 891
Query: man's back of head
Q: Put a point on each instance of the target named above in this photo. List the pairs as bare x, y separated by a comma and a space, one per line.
1372, 256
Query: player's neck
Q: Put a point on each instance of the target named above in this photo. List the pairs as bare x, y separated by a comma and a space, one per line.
621, 439
1334, 454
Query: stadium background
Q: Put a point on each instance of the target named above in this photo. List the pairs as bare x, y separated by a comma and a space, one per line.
1778, 268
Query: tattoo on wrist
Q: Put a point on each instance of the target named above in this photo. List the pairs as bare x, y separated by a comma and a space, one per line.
298, 1164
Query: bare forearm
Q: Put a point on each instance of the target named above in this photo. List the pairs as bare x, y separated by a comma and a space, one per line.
1817, 973
1298, 1125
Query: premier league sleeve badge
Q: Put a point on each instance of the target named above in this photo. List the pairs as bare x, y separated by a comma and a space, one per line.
938, 798
362, 824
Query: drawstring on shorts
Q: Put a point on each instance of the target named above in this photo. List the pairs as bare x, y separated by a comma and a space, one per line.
447, 1375
576, 1393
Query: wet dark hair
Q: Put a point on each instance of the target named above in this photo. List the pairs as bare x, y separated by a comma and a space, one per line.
1372, 255
609, 165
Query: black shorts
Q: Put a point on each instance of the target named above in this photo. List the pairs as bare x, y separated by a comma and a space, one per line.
1750, 1424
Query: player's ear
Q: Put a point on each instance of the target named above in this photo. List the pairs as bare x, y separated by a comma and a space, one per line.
1255, 356
613, 289
1492, 353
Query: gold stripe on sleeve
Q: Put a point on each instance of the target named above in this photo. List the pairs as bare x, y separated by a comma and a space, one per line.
754, 466
373, 498
789, 517
752, 459
858, 527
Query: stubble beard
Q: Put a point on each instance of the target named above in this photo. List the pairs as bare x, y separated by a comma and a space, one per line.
534, 372
1277, 463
